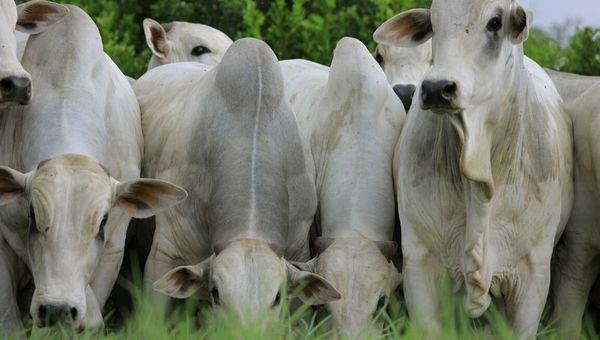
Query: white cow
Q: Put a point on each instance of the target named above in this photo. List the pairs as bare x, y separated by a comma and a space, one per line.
230, 135
484, 179
74, 155
577, 265
35, 16
183, 41
15, 88
351, 120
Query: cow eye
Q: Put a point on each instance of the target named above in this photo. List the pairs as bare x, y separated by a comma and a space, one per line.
200, 50
277, 300
381, 304
32, 222
379, 58
102, 225
495, 24
214, 293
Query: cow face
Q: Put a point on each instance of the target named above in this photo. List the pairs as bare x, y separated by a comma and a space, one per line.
69, 199
404, 67
182, 41
247, 276
365, 279
32, 17
477, 61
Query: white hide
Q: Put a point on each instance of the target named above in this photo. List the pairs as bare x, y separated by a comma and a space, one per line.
32, 17
230, 136
64, 214
351, 119
576, 266
182, 41
484, 183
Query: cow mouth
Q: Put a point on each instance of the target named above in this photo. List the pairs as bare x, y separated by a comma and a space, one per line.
443, 110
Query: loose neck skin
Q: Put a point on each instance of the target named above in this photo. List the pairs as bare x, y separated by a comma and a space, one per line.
479, 156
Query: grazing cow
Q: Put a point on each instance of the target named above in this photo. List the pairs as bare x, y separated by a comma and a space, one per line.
351, 119
15, 88
74, 156
230, 135
485, 163
403, 66
181, 41
35, 16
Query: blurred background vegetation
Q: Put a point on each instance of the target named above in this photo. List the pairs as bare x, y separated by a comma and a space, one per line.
302, 28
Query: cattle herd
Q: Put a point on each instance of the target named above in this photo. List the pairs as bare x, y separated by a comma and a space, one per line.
264, 174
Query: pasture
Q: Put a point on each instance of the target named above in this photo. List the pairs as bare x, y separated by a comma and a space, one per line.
187, 321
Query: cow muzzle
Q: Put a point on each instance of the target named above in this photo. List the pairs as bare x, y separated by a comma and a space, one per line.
52, 314
15, 90
440, 96
405, 93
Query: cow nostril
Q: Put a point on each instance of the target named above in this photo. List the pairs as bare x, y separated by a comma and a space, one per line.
7, 85
449, 90
73, 313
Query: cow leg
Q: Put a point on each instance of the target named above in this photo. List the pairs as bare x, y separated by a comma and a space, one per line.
575, 271
527, 292
10, 317
422, 278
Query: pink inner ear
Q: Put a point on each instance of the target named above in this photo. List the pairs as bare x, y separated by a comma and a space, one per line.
159, 40
132, 206
35, 13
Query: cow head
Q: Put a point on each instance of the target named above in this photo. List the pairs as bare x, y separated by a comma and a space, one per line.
70, 200
182, 41
32, 17
247, 276
365, 277
477, 50
404, 67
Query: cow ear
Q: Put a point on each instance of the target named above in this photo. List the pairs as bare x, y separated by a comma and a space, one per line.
185, 281
12, 185
309, 287
306, 266
156, 38
143, 198
408, 29
36, 16
520, 20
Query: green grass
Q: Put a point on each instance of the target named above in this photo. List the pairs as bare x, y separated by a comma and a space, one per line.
151, 321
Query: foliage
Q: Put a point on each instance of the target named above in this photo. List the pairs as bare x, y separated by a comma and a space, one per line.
581, 55
297, 28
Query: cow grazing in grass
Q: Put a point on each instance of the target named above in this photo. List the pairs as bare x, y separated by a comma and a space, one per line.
73, 182
229, 134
